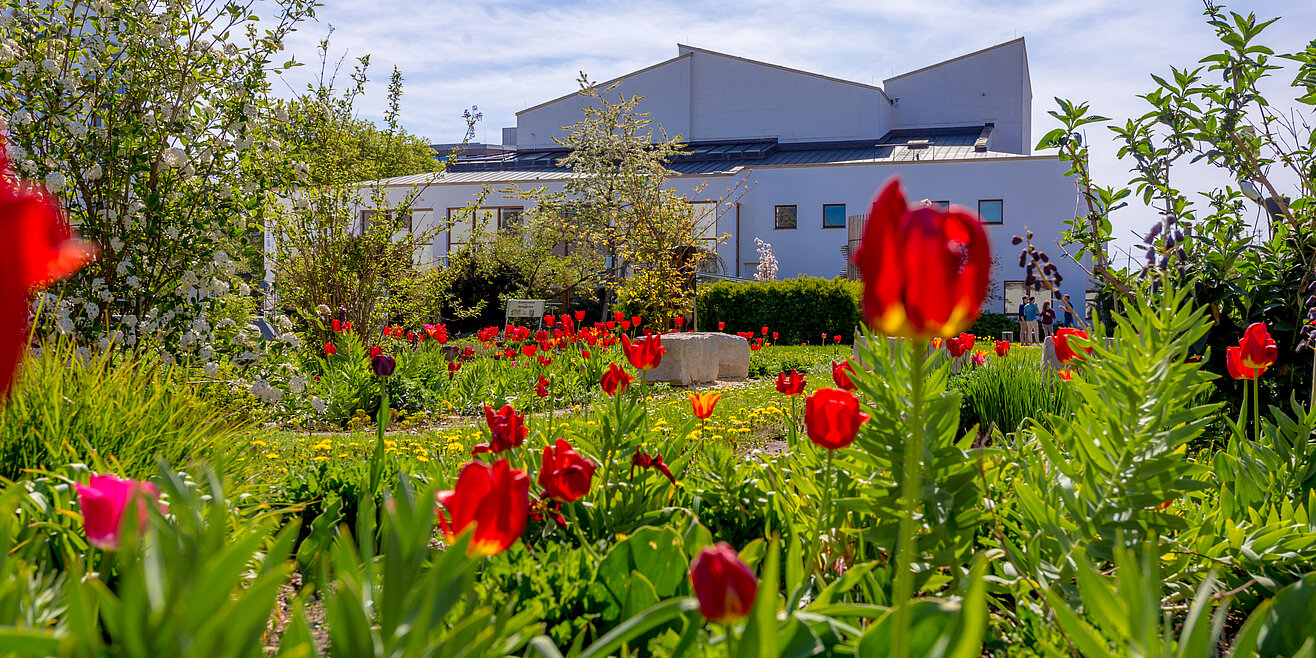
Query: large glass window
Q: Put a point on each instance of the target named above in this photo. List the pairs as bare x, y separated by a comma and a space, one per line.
834, 215
785, 217
991, 211
480, 225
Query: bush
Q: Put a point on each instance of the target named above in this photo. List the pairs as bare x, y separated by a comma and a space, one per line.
799, 310
67, 408
992, 324
1005, 391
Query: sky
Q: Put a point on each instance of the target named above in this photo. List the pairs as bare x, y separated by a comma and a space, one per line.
506, 55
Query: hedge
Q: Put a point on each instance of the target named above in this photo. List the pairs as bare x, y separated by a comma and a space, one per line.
802, 309
799, 310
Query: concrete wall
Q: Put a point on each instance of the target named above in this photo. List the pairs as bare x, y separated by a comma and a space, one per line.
990, 85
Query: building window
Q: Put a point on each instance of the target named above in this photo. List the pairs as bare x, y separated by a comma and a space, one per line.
368, 217
833, 215
474, 226
991, 211
1015, 291
785, 216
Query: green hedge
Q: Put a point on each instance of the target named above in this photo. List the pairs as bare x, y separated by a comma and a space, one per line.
799, 310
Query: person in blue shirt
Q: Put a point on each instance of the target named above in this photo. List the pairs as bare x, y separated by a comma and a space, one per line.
1069, 313
1030, 323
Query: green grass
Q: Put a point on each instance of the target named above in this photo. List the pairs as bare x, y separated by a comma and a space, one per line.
114, 409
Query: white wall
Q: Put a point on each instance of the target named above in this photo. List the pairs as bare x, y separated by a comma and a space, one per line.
1035, 192
665, 88
736, 99
991, 85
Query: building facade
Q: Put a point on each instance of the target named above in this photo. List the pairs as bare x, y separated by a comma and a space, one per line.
809, 150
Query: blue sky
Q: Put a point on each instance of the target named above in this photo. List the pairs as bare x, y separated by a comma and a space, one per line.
506, 55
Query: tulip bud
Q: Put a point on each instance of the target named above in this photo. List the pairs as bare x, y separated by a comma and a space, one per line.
1016, 240
723, 584
382, 364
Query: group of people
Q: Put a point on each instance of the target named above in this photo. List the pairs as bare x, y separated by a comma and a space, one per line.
1036, 324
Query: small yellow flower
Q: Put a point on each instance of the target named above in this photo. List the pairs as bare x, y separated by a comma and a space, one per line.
258, 443
321, 458
272, 455
422, 459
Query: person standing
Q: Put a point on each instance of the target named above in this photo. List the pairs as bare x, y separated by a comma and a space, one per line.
1048, 319
1030, 323
1022, 327
1069, 313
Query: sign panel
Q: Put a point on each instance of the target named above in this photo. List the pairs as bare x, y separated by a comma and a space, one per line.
525, 308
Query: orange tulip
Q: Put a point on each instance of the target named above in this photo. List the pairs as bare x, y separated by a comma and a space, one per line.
703, 403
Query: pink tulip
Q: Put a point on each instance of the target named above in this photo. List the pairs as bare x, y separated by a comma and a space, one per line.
103, 501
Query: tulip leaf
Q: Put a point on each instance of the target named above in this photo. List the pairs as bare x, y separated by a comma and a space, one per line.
639, 624
1282, 626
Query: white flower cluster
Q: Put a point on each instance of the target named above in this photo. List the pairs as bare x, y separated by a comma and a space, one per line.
266, 393
767, 269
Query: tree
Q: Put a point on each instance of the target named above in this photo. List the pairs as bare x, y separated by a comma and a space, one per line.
1216, 113
625, 224
142, 116
341, 242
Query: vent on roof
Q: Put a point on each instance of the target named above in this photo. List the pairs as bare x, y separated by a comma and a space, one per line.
918, 143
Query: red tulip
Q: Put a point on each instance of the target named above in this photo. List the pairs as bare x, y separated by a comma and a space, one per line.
721, 326
1002, 348
103, 501
338, 326
580, 316
703, 403
635, 321
841, 375
541, 388
375, 351
643, 459
723, 584
564, 474
966, 341
506, 430
763, 330
925, 270
330, 349
680, 321
36, 248
774, 335
616, 316
1259, 349
832, 418
1234, 363
792, 385
956, 347
625, 325
495, 499
836, 338
645, 353
550, 320
1064, 352
615, 380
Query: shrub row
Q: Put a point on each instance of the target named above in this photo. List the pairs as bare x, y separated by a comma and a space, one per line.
799, 310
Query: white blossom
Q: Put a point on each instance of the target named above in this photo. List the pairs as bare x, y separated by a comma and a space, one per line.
129, 321
212, 369
320, 406
92, 309
56, 181
297, 384
94, 172
22, 118
767, 269
133, 282
174, 157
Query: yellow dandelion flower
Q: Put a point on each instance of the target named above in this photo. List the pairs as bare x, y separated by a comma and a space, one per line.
272, 455
321, 458
258, 443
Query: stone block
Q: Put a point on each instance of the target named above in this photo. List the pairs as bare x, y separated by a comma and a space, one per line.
689, 358
732, 356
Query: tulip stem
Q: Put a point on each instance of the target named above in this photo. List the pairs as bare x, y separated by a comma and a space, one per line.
1256, 409
580, 534
377, 459
824, 513
911, 483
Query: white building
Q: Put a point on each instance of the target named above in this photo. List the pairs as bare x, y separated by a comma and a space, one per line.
813, 149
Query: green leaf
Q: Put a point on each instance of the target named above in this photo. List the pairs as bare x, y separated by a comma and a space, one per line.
760, 638
640, 624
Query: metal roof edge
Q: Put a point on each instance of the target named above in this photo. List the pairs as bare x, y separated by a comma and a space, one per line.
606, 83
1019, 40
